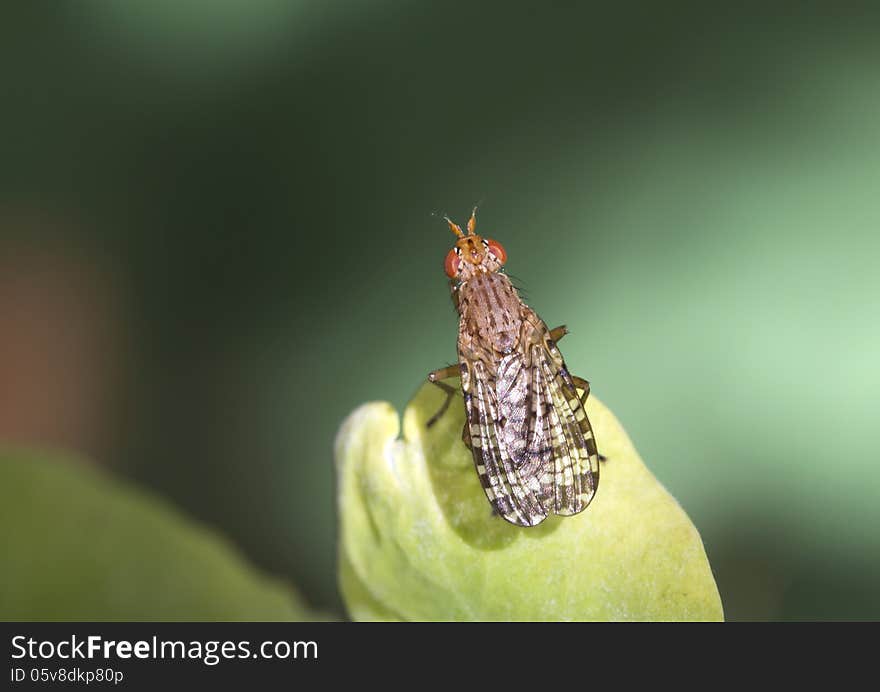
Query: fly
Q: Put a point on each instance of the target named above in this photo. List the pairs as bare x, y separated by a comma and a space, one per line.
525, 422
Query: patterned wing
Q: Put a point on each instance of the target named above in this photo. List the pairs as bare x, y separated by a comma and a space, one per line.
569, 482
532, 442
515, 496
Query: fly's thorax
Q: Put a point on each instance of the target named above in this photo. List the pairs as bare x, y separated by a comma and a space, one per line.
491, 314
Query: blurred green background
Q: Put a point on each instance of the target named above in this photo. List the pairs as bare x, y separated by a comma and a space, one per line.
220, 232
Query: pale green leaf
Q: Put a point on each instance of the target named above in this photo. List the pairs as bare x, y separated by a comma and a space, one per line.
418, 541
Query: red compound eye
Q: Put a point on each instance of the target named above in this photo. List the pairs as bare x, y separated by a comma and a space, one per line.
451, 264
499, 252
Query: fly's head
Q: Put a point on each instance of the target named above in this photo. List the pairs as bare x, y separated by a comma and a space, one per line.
472, 254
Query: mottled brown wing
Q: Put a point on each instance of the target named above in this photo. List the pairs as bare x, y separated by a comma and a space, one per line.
515, 496
570, 481
532, 442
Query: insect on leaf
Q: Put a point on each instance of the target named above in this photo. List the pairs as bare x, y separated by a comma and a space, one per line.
526, 425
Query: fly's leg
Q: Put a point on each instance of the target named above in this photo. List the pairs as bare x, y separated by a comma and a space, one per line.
557, 334
450, 392
435, 377
581, 383
466, 436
